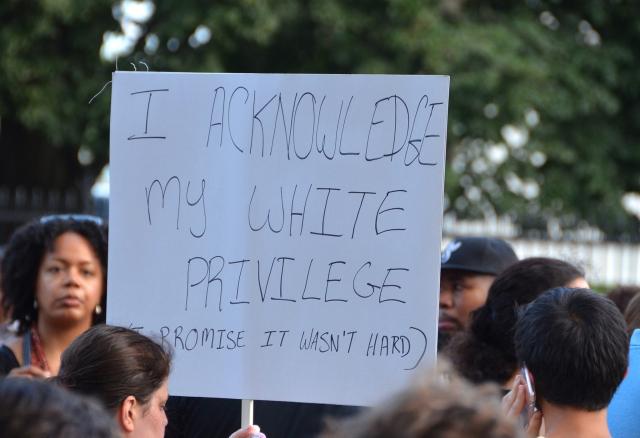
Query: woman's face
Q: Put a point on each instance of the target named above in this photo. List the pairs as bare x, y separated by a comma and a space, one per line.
152, 418
70, 281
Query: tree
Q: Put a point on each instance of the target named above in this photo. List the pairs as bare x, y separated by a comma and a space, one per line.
543, 102
49, 69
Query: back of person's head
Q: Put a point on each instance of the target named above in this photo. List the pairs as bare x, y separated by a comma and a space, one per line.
574, 343
632, 314
24, 254
622, 296
434, 406
36, 409
486, 351
111, 363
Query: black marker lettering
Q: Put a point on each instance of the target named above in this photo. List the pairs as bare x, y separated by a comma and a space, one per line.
281, 297
287, 132
231, 345
268, 343
344, 122
283, 333
306, 282
351, 334
242, 262
322, 149
355, 277
163, 191
164, 333
204, 338
215, 278
263, 292
189, 284
268, 219
253, 122
394, 151
355, 221
298, 213
324, 212
146, 135
411, 145
195, 341
220, 338
293, 125
371, 347
381, 211
332, 280
239, 339
204, 209
394, 286
425, 136
177, 336
221, 122
371, 125
229, 115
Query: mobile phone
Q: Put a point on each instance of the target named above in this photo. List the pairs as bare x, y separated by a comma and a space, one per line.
530, 393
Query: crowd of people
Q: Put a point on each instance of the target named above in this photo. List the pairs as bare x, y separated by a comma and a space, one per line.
526, 349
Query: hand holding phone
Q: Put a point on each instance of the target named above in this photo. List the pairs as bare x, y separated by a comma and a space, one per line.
522, 395
530, 393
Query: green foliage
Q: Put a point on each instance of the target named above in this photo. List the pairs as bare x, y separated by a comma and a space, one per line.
563, 74
49, 69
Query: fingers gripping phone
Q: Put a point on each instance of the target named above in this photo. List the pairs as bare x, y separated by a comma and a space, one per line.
530, 393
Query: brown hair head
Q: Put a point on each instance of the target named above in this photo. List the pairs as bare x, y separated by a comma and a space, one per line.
632, 314
112, 363
622, 296
434, 406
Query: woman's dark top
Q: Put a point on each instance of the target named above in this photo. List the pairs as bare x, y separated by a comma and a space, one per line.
8, 360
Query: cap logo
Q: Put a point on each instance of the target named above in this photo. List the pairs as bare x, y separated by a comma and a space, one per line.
449, 250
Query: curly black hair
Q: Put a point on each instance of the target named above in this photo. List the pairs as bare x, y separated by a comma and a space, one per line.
486, 351
24, 254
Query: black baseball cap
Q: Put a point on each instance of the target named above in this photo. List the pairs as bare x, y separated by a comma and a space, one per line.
484, 255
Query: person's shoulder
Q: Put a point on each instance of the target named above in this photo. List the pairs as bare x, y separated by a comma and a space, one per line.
8, 358
635, 338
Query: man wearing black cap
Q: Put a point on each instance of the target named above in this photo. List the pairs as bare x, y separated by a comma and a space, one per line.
468, 267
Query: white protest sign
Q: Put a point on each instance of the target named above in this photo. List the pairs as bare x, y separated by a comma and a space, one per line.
280, 232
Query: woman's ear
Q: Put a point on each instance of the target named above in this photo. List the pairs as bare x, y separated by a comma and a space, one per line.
126, 414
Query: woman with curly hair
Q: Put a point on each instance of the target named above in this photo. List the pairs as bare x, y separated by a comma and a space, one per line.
54, 274
486, 351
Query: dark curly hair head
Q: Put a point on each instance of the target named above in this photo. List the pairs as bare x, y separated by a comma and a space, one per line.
486, 352
24, 254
